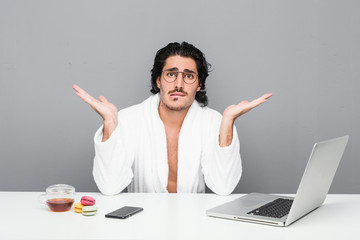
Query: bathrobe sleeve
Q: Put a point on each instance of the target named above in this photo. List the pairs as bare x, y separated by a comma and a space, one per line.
221, 166
114, 158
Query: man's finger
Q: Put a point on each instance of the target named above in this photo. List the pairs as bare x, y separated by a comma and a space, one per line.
79, 90
260, 100
103, 99
267, 96
84, 95
263, 98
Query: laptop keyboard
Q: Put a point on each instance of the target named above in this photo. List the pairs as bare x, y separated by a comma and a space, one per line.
275, 209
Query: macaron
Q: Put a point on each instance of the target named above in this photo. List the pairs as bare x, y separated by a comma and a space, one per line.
89, 210
78, 207
87, 201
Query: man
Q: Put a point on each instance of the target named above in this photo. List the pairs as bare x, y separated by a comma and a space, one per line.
169, 143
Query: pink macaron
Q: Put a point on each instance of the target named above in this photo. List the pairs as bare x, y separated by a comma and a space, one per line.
87, 201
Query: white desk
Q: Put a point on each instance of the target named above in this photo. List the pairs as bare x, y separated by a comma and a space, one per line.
167, 216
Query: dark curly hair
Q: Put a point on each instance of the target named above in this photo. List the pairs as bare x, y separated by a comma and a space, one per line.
184, 50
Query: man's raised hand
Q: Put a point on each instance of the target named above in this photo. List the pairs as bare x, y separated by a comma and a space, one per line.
104, 108
234, 111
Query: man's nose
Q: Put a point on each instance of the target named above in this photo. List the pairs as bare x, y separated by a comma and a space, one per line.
179, 80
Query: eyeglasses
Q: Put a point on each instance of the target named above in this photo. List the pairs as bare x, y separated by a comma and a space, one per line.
171, 75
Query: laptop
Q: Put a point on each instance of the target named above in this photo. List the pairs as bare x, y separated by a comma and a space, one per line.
279, 210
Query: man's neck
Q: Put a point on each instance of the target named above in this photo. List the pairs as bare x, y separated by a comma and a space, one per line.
172, 118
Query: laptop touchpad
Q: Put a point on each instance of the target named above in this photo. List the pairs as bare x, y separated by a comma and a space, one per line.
249, 202
238, 206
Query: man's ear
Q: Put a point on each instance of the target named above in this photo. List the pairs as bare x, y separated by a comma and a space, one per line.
199, 87
158, 82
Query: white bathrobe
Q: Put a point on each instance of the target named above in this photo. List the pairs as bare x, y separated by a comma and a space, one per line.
135, 156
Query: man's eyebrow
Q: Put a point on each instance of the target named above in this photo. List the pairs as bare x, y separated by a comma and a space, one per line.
172, 69
176, 69
190, 71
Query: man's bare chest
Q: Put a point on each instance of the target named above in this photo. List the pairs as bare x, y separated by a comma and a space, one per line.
172, 139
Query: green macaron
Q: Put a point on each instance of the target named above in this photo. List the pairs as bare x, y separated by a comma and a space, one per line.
89, 210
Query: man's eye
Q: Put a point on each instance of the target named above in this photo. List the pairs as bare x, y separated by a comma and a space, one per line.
171, 74
189, 76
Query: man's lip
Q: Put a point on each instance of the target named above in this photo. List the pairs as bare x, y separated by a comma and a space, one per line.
177, 94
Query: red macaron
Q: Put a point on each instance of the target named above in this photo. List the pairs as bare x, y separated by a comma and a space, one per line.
87, 201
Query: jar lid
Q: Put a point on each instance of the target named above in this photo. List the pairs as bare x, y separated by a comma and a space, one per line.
60, 189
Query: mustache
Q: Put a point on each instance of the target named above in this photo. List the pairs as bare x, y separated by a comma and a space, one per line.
180, 90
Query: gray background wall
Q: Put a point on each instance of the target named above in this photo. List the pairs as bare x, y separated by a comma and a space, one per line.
306, 52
